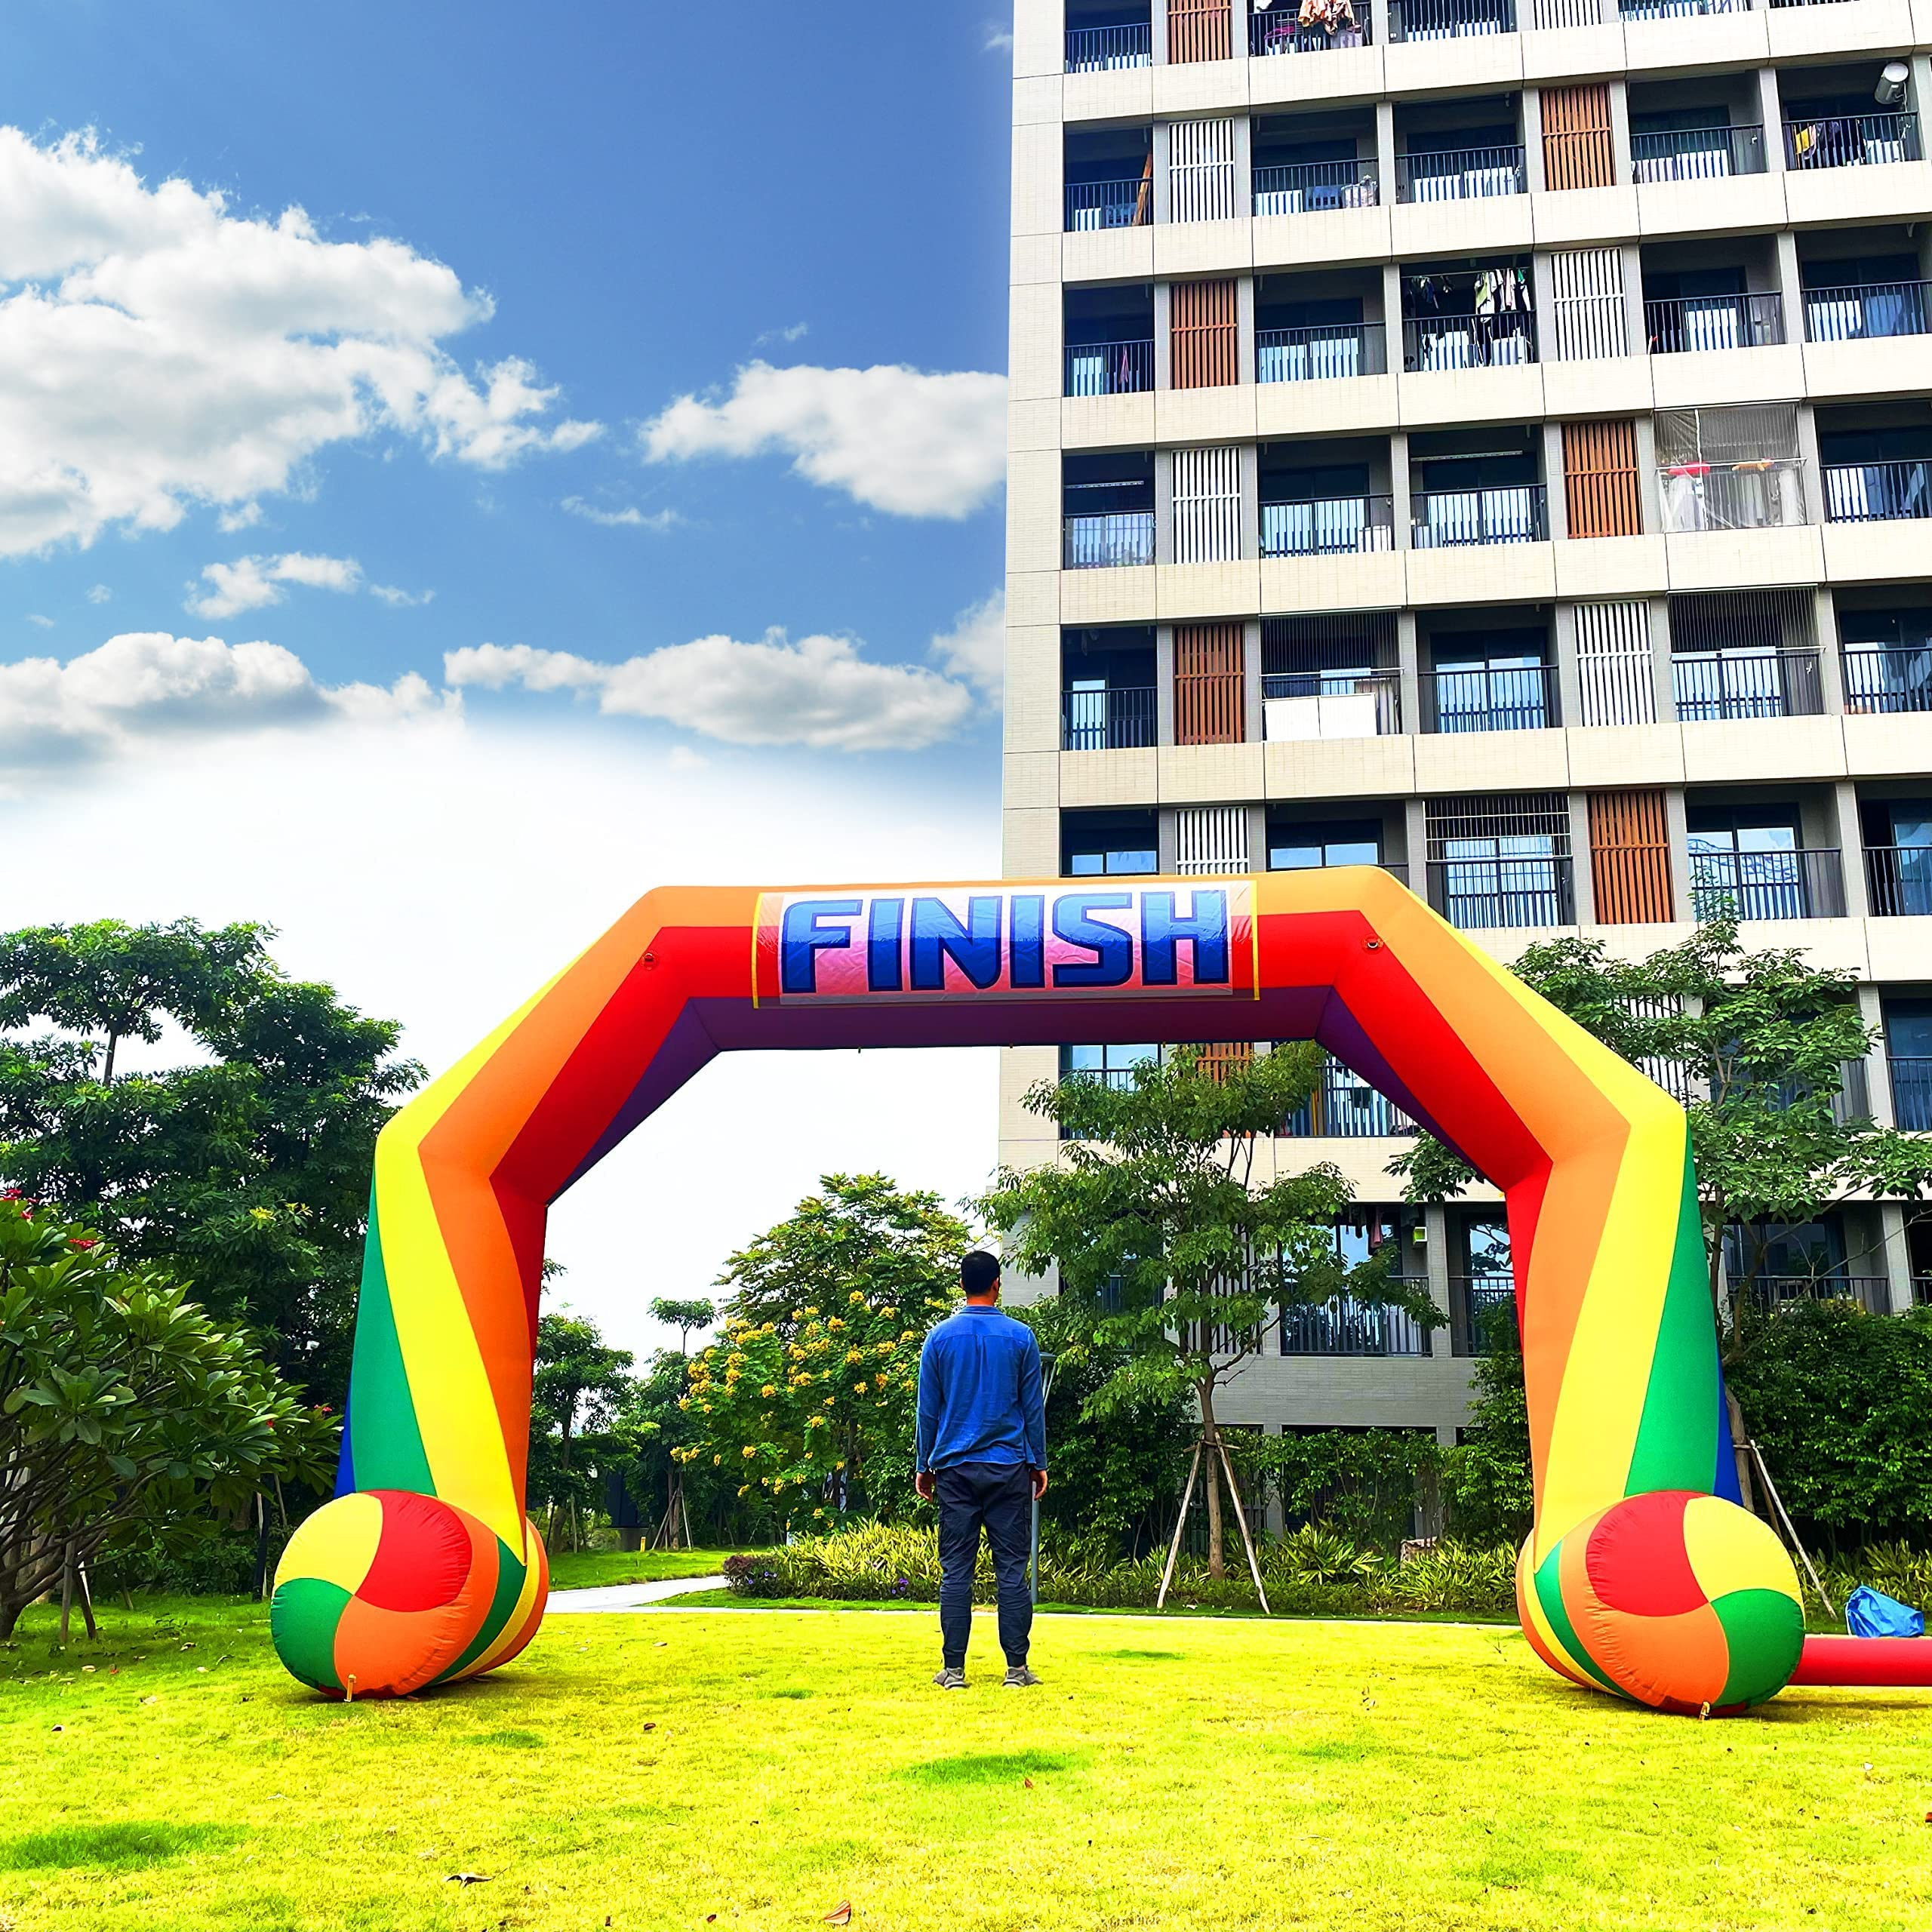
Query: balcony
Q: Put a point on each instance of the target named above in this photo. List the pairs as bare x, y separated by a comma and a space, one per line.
1515, 698
1766, 885
1862, 311
1344, 1326
1094, 204
1712, 686
1328, 527
1850, 140
1697, 154
1444, 519
1108, 720
1505, 892
1767, 1293
1911, 1094
1109, 368
1881, 680
1101, 50
1760, 493
1677, 10
1687, 323
1110, 542
1877, 492
1482, 1320
1328, 351
1311, 187
1299, 705
1460, 174
1898, 881
1449, 19
1345, 1107
1468, 341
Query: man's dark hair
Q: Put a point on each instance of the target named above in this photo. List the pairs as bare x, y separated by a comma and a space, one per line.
979, 1273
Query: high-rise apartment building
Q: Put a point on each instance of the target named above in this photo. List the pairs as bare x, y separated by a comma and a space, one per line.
1489, 439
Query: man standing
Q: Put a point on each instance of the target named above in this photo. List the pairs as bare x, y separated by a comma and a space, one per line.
983, 1458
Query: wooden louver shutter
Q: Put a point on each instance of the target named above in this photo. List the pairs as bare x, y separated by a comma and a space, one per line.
1206, 343
1219, 1056
1208, 680
1198, 30
1577, 152
1630, 858
1600, 479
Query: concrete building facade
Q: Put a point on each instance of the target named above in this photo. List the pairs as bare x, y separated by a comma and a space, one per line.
1490, 439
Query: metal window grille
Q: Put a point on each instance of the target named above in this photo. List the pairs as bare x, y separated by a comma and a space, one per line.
1745, 653
1201, 170
1736, 468
1501, 861
1616, 682
1592, 316
1207, 498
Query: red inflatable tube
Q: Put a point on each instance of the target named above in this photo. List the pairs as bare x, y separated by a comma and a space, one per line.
1898, 1663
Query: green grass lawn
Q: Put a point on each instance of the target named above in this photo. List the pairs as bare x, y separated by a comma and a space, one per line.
594, 1567
657, 1770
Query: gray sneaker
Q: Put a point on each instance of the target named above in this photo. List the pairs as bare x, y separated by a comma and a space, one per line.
1019, 1678
951, 1679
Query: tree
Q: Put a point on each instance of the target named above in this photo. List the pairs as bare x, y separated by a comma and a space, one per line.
1171, 1260
244, 1168
578, 1387
809, 1397
1486, 1477
127, 1412
685, 1316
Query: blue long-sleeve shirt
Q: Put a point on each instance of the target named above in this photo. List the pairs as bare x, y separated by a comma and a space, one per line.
980, 1398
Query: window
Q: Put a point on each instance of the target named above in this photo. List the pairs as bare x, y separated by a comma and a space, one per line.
1321, 842
1483, 1293
1094, 844
1908, 1047
1898, 856
1775, 1262
1736, 468
1747, 862
1751, 654
1500, 862
1888, 659
1344, 1326
1493, 681
1109, 1067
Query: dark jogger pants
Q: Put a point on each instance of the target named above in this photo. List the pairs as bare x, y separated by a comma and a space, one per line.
1000, 1496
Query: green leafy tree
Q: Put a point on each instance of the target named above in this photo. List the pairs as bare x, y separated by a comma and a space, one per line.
578, 1390
128, 1415
685, 1316
1486, 1477
1172, 1259
808, 1397
244, 1166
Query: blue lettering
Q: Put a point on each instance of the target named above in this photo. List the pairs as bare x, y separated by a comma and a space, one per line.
1162, 932
1112, 949
802, 938
1030, 949
882, 935
974, 948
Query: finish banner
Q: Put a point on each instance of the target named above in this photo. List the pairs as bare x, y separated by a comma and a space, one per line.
952, 941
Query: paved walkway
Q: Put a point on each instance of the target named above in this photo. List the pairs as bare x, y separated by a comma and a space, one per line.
630, 1596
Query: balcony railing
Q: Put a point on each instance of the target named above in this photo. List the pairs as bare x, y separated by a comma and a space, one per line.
1766, 493
1483, 1313
1512, 513
1766, 885
1698, 154
1328, 527
1450, 19
1863, 310
1331, 704
1345, 1107
1677, 10
1504, 893
1109, 720
1109, 368
1279, 30
1911, 1093
1850, 140
1887, 678
1770, 1292
1102, 542
1684, 324
1898, 881
1343, 1327
1313, 187
1109, 204
1877, 492
1712, 686
1468, 341
1460, 174
1329, 352
1097, 50
1516, 698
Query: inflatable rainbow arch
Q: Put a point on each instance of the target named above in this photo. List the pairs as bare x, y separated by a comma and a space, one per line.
1642, 1576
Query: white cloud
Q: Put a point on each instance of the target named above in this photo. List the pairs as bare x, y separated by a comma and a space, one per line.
905, 440
401, 600
630, 518
99, 594
158, 351
40, 623
975, 647
818, 692
998, 40
254, 583
792, 332
145, 686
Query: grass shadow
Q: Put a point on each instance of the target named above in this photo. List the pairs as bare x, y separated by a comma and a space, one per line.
988, 1767
113, 1848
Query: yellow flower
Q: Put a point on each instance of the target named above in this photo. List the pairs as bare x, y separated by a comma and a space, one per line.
858, 1388
750, 1451
834, 1324
744, 1489
808, 1311
840, 1464
768, 1390
855, 1354
884, 1348
818, 1513
715, 1460
815, 1422
888, 1315
829, 1400
684, 1402
856, 1295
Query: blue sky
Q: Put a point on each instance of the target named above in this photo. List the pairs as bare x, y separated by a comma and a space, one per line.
573, 496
